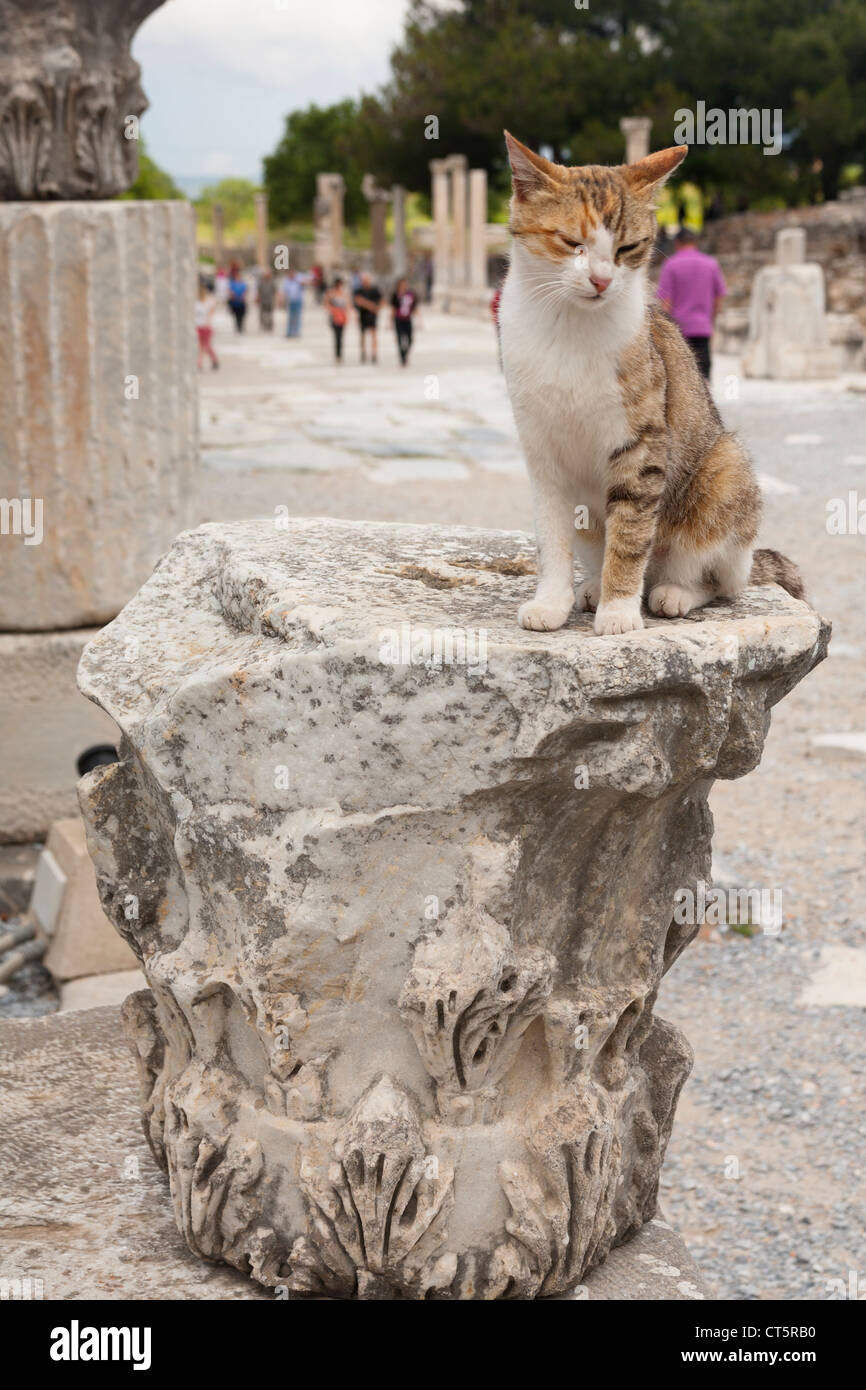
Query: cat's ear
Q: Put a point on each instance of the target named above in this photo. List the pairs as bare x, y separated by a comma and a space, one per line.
649, 174
530, 172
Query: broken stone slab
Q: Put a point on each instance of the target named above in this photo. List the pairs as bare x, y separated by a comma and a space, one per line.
405, 877
94, 991
45, 726
81, 940
88, 1214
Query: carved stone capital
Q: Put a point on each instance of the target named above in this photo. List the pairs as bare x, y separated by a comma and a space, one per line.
70, 97
400, 1040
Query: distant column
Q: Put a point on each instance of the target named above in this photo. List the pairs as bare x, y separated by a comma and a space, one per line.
261, 228
399, 254
378, 200
338, 190
457, 166
328, 221
439, 173
219, 250
791, 246
478, 229
379, 234
636, 130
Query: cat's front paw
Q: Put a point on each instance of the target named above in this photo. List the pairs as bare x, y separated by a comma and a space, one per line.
671, 601
618, 615
588, 595
539, 616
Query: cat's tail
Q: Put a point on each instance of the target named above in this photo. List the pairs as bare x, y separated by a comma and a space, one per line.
769, 567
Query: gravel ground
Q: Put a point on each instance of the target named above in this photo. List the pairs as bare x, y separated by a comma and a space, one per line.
29, 994
778, 1085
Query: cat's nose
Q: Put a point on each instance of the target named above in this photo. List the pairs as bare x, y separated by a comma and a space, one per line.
599, 283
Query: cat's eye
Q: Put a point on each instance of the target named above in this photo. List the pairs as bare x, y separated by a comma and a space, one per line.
632, 246
575, 245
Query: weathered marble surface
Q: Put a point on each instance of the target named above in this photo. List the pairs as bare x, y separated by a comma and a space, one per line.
68, 86
87, 1213
98, 408
404, 923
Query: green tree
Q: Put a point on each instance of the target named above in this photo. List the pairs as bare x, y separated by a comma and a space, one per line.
320, 139
152, 182
561, 78
237, 197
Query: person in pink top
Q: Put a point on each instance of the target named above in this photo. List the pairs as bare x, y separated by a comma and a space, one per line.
691, 287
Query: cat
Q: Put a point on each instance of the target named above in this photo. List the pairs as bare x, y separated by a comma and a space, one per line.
612, 412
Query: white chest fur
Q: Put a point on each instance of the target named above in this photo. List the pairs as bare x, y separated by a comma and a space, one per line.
561, 362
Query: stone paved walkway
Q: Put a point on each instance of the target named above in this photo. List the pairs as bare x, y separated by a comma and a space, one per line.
766, 1175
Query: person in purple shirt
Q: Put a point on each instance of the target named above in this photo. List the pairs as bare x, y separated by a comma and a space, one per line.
691, 287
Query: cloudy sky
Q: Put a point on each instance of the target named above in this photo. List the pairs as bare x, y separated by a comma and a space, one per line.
221, 75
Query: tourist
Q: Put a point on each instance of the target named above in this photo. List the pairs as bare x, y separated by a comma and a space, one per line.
428, 279
237, 300
337, 305
293, 298
204, 308
318, 278
691, 287
368, 302
267, 298
403, 302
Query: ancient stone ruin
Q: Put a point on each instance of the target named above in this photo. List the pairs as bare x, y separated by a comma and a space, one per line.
460, 235
70, 97
328, 221
789, 335
401, 877
98, 394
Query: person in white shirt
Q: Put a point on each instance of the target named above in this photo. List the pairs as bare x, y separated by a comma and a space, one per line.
204, 307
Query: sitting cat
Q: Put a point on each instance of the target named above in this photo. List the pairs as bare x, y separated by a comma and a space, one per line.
612, 411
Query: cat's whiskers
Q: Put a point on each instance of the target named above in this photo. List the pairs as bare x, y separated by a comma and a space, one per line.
553, 292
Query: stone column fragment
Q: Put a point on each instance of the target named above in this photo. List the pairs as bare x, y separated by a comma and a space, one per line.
399, 252
378, 200
219, 245
637, 130
261, 202
457, 170
478, 229
328, 219
70, 97
788, 323
441, 235
405, 878
98, 413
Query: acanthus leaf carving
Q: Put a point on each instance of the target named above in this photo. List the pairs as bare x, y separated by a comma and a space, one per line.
216, 1186
68, 86
376, 1213
468, 1000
